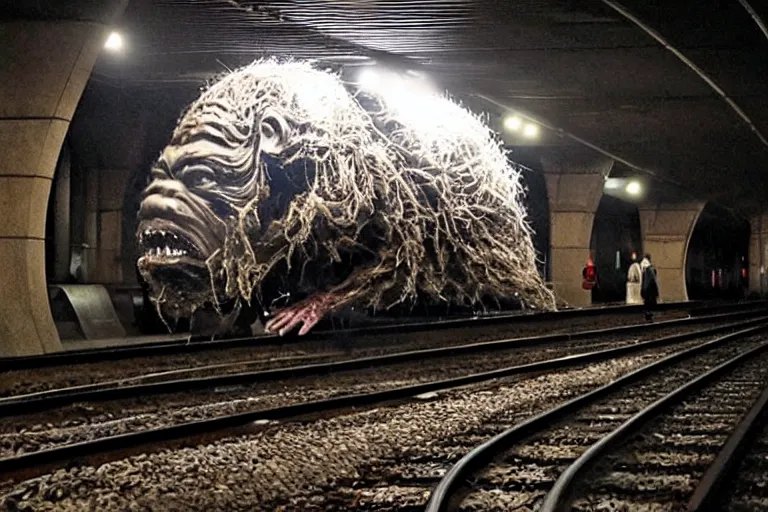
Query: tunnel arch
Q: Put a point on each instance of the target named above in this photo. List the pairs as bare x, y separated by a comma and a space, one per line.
717, 255
616, 234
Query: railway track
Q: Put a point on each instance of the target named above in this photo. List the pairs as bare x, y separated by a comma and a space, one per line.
131, 410
167, 382
527, 323
737, 478
122, 373
193, 433
638, 443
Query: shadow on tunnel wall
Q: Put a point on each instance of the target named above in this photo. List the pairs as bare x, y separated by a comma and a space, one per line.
615, 236
537, 205
717, 256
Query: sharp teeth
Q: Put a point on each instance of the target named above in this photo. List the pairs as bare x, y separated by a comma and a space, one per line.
167, 251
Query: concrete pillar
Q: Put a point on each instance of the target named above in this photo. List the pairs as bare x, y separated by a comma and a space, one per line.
574, 187
758, 254
667, 230
44, 68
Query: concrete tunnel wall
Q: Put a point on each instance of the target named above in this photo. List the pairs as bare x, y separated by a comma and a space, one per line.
46, 67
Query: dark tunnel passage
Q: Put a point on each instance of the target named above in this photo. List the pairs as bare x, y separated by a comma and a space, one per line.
615, 236
717, 256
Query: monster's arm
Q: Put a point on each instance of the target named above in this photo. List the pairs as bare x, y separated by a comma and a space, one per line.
364, 286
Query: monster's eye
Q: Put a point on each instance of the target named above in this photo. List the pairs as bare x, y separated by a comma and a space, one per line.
197, 176
274, 134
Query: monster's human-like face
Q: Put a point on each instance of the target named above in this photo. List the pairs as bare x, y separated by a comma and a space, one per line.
178, 232
201, 184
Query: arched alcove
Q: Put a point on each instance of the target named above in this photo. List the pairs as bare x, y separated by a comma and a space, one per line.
717, 255
615, 236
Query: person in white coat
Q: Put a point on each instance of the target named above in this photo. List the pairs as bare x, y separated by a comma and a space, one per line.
634, 282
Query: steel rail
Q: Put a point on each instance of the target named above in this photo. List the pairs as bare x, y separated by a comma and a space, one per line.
117, 390
722, 469
201, 344
107, 448
559, 497
447, 491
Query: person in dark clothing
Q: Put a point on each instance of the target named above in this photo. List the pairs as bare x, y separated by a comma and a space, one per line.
649, 286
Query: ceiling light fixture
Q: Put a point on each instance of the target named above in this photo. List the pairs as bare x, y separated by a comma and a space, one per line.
513, 123
114, 42
633, 188
531, 131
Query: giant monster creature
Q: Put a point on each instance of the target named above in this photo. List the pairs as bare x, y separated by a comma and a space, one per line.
282, 185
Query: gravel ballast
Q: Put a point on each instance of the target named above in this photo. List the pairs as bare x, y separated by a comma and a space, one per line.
88, 421
662, 465
314, 465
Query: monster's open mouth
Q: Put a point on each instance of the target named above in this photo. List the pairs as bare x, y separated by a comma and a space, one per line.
172, 254
166, 246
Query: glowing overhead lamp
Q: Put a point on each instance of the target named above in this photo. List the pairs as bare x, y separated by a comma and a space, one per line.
513, 123
531, 130
633, 188
114, 42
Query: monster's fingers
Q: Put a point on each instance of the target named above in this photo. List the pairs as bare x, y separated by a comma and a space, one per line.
294, 321
309, 323
280, 319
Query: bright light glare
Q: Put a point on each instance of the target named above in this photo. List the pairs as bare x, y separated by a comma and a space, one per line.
531, 131
513, 123
369, 79
401, 92
633, 188
612, 184
114, 42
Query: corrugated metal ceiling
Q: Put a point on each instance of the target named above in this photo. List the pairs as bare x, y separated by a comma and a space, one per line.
576, 62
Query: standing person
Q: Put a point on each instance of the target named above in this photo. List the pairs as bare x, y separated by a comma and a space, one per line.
649, 287
634, 280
